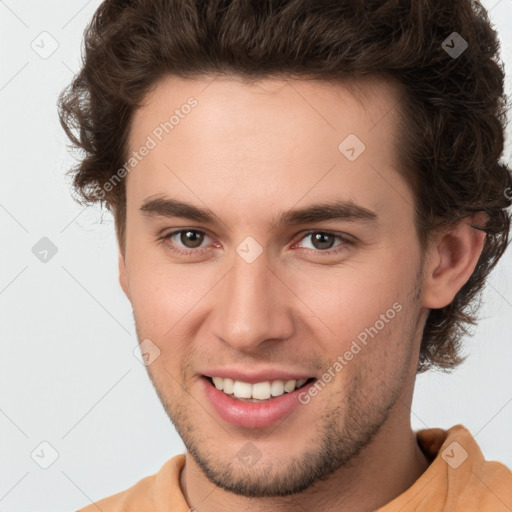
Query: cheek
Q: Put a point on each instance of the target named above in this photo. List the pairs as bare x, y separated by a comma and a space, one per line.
352, 296
153, 295
361, 310
160, 309
163, 294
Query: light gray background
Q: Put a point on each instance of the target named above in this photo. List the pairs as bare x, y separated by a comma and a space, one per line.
68, 375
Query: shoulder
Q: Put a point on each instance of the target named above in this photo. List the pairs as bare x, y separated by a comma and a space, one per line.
489, 488
136, 497
474, 483
145, 494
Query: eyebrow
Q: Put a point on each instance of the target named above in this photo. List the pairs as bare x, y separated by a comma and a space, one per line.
336, 210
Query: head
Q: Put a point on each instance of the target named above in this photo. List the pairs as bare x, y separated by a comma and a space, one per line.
275, 109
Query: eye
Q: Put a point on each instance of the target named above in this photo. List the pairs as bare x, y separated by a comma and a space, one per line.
192, 239
322, 241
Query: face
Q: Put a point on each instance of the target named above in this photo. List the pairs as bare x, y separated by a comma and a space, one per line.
262, 288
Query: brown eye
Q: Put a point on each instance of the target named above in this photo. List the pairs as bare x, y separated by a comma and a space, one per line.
191, 239
322, 240
185, 242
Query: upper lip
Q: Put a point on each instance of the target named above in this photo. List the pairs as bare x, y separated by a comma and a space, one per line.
252, 377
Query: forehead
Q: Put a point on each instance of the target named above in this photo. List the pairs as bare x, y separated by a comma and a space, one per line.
214, 137
357, 105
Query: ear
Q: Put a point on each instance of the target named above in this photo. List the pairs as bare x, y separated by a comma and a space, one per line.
451, 260
123, 279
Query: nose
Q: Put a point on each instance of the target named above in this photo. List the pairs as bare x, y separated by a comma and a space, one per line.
253, 306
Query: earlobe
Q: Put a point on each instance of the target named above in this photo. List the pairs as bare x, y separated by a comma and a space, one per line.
123, 279
451, 261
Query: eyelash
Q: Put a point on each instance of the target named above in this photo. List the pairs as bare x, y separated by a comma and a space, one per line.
165, 239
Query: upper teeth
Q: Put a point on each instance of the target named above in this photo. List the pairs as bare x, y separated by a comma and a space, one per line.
259, 390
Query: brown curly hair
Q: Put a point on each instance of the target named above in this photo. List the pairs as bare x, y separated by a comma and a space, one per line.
452, 108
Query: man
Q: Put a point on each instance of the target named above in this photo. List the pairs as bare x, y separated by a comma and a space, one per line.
307, 200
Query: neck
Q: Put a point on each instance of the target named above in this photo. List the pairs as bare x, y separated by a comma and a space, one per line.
384, 470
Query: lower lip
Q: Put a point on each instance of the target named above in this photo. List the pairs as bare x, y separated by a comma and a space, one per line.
253, 414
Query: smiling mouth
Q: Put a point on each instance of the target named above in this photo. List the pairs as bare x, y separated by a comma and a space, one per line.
259, 391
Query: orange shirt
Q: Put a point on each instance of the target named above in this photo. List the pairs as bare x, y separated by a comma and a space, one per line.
458, 479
